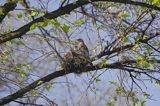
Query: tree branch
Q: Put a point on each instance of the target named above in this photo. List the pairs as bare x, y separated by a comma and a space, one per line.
125, 47
56, 74
6, 8
30, 87
66, 10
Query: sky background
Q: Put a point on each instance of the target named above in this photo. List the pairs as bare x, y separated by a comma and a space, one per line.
59, 92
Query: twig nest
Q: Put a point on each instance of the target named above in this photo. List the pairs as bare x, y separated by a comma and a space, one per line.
74, 62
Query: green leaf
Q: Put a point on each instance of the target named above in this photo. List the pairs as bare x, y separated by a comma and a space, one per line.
48, 86
20, 15
5, 52
145, 37
79, 22
55, 22
35, 92
125, 14
138, 37
43, 12
33, 26
141, 61
9, 15
135, 101
153, 60
97, 80
103, 63
1, 12
28, 66
70, 42
23, 73
157, 43
119, 89
158, 82
4, 59
145, 64
147, 48
65, 27
125, 40
34, 13
139, 58
44, 24
110, 104
19, 65
17, 42
114, 83
39, 82
142, 102
146, 94
137, 44
155, 2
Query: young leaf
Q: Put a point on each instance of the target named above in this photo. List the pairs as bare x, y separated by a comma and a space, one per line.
65, 27
145, 64
33, 26
125, 14
1, 12
97, 80
48, 87
20, 15
29, 67
79, 22
157, 43
146, 94
39, 82
5, 52
22, 73
35, 92
158, 82
156, 2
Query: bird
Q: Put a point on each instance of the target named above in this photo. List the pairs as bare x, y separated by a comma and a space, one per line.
77, 58
81, 48
81, 55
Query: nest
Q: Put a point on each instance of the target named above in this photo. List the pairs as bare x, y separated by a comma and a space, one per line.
74, 62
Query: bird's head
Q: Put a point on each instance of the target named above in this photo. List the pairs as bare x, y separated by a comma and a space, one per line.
80, 40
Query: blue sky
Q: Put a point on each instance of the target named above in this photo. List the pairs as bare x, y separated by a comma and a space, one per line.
60, 93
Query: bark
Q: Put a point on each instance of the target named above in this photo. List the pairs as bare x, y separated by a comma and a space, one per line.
6, 8
65, 10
